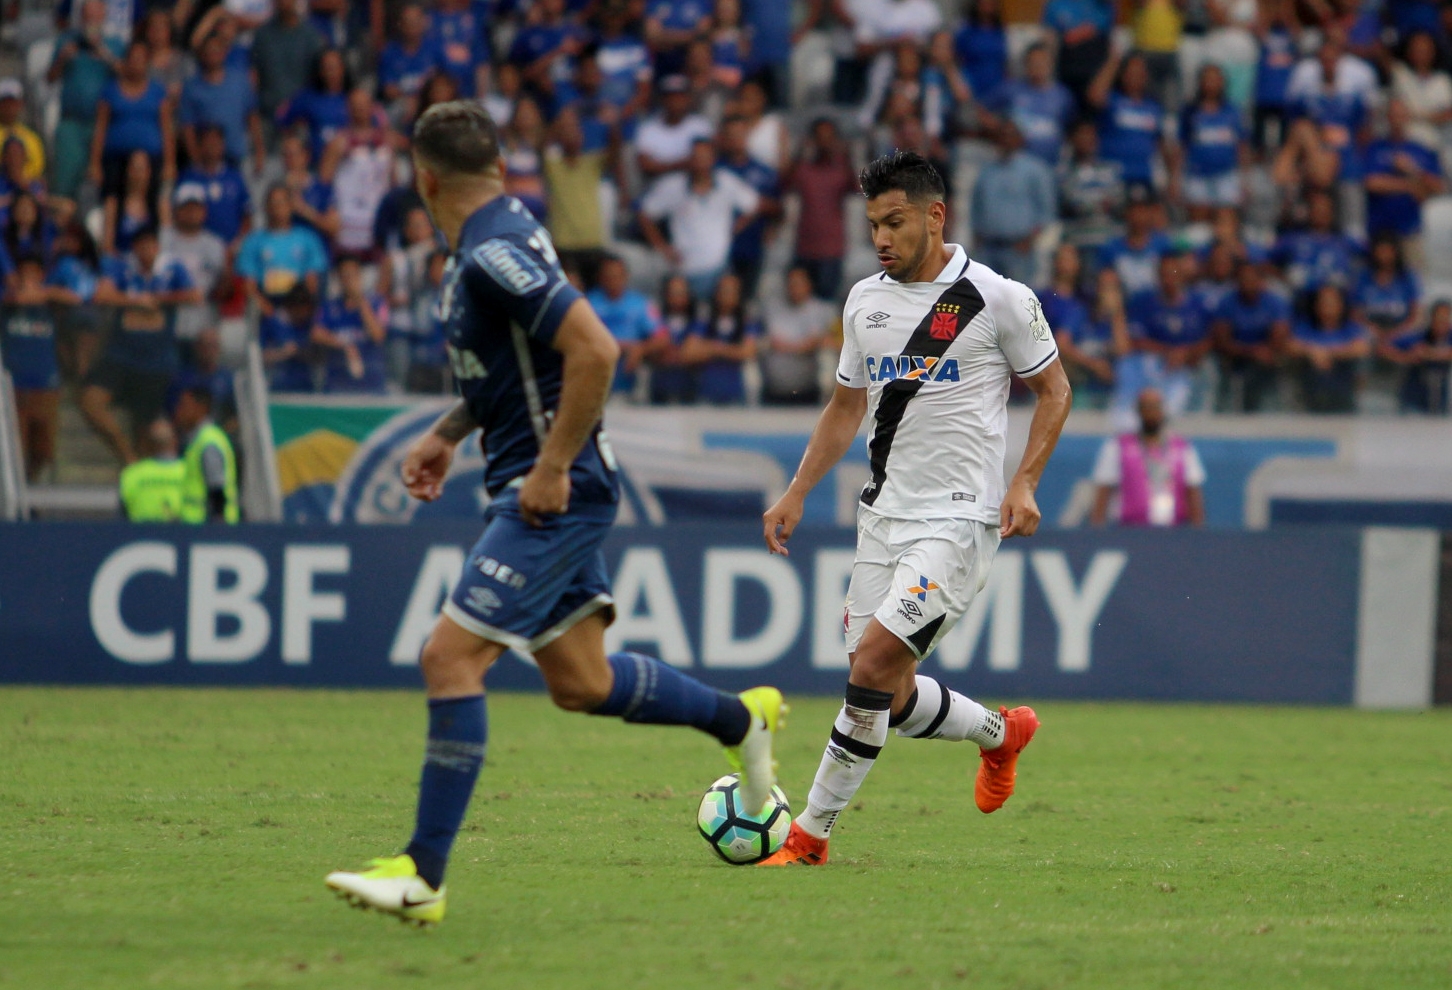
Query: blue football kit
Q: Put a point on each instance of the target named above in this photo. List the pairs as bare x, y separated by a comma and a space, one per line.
504, 297
501, 303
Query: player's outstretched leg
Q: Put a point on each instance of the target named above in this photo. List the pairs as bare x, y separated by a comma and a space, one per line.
647, 691
934, 711
856, 739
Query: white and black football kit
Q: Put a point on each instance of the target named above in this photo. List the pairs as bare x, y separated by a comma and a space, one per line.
936, 358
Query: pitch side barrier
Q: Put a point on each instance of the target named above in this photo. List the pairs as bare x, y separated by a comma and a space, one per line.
1318, 616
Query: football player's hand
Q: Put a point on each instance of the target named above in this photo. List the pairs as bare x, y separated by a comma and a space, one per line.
426, 465
545, 492
779, 521
1018, 515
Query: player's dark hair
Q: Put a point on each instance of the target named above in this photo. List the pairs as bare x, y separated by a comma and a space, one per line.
907, 171
457, 137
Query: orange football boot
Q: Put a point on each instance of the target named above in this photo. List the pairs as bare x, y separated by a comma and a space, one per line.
996, 771
799, 849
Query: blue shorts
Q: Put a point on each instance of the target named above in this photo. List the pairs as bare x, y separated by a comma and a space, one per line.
525, 586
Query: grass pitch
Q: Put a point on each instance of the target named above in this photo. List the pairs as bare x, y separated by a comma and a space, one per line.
167, 839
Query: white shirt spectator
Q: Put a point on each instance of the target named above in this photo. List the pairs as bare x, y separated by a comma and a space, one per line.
764, 143
1108, 473
1426, 97
364, 177
701, 223
798, 324
667, 142
1353, 77
204, 256
1107, 465
888, 20
792, 326
251, 10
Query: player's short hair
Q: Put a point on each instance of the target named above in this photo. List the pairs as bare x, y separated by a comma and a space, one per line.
907, 171
457, 137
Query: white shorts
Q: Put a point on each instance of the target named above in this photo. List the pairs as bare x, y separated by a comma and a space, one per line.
1213, 190
916, 577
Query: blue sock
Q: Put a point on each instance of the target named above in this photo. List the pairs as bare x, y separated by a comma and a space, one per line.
654, 693
458, 729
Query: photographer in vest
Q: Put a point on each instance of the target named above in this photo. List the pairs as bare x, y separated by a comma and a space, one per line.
209, 489
1156, 475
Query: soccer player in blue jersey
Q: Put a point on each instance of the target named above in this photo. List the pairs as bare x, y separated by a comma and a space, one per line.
534, 365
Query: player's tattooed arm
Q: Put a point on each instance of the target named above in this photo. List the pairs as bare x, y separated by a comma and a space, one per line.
456, 424
426, 464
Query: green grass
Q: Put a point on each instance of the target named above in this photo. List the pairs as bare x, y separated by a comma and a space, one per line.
178, 839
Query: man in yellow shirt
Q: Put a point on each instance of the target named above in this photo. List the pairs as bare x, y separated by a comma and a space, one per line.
572, 174
12, 106
1158, 28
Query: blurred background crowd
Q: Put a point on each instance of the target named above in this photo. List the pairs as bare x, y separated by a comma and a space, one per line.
1237, 203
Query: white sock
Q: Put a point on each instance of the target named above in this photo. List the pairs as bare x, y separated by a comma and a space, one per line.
857, 737
938, 712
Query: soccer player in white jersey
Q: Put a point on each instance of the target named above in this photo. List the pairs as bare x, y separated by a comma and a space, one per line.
928, 346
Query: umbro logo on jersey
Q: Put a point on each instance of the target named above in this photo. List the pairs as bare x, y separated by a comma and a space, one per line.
912, 367
945, 321
878, 320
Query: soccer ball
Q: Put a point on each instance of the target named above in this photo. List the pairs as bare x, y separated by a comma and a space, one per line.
738, 838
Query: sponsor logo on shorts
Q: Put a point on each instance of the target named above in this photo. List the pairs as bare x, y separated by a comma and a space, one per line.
922, 588
878, 320
483, 600
911, 606
502, 573
912, 367
964, 497
371, 490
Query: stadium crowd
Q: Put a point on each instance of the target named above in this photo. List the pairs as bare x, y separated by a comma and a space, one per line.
1219, 199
